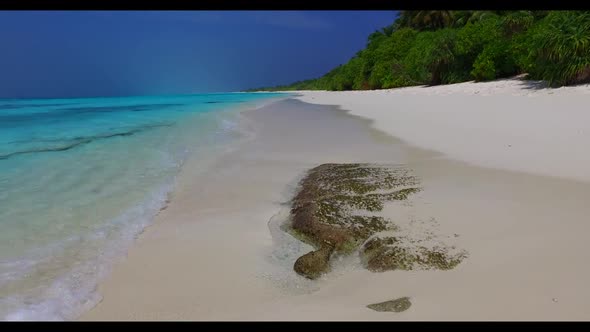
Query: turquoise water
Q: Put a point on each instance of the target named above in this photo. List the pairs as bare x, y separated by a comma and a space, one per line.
80, 178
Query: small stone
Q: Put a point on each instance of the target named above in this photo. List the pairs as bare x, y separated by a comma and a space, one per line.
398, 305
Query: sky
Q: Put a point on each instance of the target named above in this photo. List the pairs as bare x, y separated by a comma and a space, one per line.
51, 54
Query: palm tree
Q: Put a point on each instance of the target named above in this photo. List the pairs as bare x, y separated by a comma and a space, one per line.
404, 19
461, 17
432, 19
424, 19
439, 60
479, 15
517, 21
562, 48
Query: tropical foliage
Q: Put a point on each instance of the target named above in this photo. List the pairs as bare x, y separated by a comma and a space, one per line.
442, 47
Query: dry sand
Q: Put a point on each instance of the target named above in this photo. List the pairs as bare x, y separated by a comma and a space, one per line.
216, 252
507, 124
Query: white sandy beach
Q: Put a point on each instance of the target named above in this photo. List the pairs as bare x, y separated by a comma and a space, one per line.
504, 166
508, 124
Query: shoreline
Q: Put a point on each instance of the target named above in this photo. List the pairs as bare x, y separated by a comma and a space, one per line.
99, 196
211, 255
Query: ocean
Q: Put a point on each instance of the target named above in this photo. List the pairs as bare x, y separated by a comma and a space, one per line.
81, 178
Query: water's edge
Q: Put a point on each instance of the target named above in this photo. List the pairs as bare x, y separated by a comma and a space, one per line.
72, 295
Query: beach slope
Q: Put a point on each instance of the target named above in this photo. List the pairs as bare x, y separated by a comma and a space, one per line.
503, 176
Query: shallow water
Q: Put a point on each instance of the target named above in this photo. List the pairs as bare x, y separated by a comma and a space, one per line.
80, 178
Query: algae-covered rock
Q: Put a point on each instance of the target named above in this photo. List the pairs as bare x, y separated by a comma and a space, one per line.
398, 305
315, 263
326, 207
391, 253
335, 210
380, 255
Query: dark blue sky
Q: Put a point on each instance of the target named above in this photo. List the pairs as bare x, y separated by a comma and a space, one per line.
76, 53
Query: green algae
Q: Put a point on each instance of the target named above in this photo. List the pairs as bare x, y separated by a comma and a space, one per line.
332, 212
397, 305
387, 253
332, 197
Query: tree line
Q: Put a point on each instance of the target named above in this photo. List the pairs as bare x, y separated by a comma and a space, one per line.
444, 47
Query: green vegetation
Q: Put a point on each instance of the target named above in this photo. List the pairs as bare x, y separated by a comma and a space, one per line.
443, 47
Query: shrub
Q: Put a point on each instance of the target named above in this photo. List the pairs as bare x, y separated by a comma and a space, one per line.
560, 48
484, 68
